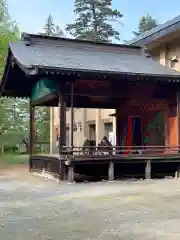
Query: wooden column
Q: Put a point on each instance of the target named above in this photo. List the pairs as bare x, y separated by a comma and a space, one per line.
172, 123
178, 115
62, 135
148, 169
72, 116
32, 135
62, 115
111, 171
118, 126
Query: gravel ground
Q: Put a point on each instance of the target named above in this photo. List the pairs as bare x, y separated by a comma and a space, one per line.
34, 208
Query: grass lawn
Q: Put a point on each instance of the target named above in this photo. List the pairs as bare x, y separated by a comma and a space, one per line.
13, 159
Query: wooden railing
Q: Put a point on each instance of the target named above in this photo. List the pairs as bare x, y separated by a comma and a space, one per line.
121, 150
46, 164
63, 166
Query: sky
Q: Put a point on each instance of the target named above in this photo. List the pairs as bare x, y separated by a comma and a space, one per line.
31, 15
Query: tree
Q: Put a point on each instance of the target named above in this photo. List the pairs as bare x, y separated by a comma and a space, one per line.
146, 23
49, 26
14, 113
58, 32
8, 32
51, 29
94, 21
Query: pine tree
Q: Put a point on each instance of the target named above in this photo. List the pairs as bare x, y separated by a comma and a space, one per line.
93, 22
58, 32
51, 29
146, 23
49, 26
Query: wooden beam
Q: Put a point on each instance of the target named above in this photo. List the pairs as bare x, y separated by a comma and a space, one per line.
132, 90
45, 100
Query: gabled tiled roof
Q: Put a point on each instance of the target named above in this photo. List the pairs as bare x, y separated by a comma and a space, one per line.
34, 52
160, 31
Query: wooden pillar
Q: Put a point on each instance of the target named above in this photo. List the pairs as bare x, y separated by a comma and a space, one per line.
62, 113
118, 126
32, 135
178, 115
72, 116
111, 171
62, 135
148, 169
172, 134
71, 173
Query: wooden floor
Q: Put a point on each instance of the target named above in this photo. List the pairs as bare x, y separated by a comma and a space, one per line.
165, 157
108, 166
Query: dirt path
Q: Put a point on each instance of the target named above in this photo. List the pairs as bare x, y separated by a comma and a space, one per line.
34, 208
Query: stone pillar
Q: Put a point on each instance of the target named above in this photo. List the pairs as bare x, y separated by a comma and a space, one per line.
111, 171
148, 169
71, 173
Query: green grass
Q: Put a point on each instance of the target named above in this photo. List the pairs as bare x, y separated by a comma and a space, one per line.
13, 159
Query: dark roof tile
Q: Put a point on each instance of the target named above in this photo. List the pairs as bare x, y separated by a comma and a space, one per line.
62, 54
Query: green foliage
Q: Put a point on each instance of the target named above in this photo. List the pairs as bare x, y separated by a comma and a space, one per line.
146, 23
51, 29
43, 124
14, 113
8, 32
94, 21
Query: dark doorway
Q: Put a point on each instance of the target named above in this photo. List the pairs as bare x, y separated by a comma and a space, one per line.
92, 132
136, 131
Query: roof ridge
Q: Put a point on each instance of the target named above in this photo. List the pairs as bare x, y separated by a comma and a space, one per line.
29, 37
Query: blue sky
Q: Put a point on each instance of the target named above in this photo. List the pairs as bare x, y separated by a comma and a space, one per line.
31, 15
